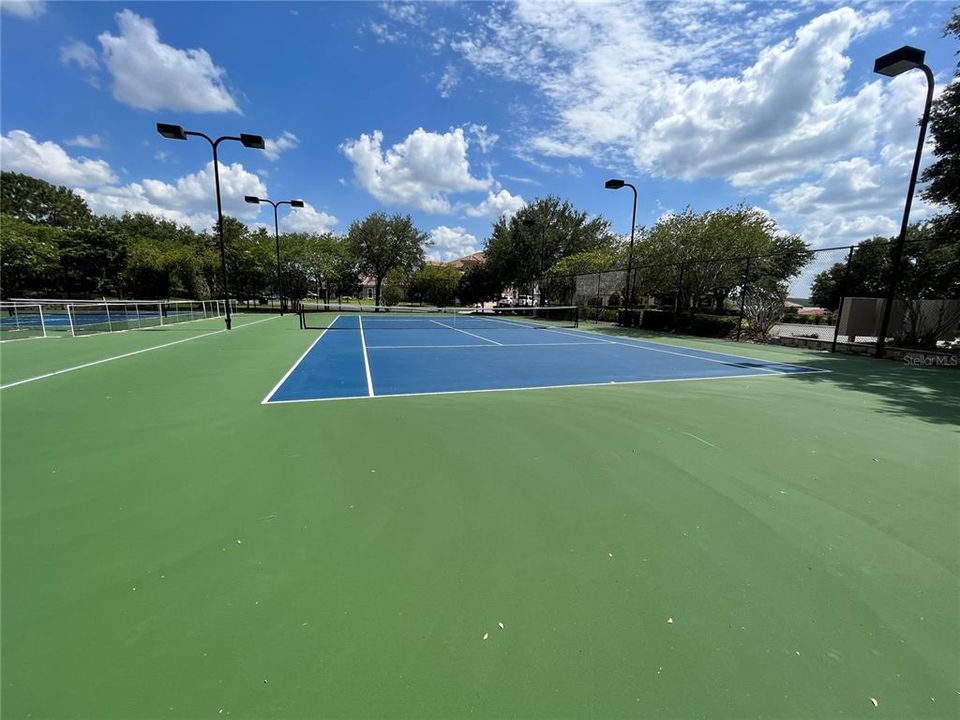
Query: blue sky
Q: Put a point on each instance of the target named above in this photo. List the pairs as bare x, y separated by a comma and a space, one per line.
459, 112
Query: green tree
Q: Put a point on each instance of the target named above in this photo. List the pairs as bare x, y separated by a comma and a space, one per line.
37, 201
868, 275
382, 244
701, 256
522, 249
478, 284
943, 176
435, 285
29, 257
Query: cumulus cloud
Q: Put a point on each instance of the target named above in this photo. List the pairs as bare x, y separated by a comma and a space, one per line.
85, 141
26, 9
309, 220
151, 75
19, 152
495, 205
421, 171
79, 54
274, 146
450, 243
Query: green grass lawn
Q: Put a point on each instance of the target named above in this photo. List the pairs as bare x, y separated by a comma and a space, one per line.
781, 547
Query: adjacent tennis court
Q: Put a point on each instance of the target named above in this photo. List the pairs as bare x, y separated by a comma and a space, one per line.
779, 543
405, 352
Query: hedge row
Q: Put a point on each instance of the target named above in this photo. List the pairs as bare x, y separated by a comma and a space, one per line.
718, 326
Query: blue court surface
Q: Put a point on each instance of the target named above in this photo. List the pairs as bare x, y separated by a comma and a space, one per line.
363, 358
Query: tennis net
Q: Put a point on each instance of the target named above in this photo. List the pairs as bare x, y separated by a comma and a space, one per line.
370, 317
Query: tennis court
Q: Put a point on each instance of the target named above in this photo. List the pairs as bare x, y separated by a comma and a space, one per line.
404, 352
778, 544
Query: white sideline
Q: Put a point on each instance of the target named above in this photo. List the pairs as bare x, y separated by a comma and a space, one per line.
297, 363
550, 387
126, 355
479, 337
366, 360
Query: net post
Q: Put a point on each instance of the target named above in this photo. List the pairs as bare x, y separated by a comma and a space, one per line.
73, 330
109, 324
16, 317
43, 325
160, 312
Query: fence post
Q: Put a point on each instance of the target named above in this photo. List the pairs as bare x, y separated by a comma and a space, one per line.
596, 308
843, 291
743, 296
676, 302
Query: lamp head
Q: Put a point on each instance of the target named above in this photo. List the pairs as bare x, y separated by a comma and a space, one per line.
252, 199
171, 132
614, 184
252, 141
296, 203
899, 61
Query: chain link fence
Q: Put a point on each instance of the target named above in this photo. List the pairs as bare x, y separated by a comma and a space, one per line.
819, 298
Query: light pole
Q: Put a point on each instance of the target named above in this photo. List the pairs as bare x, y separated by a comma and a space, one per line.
891, 65
615, 184
175, 132
276, 232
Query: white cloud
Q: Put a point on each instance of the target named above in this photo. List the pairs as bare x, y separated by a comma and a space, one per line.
26, 9
385, 34
503, 203
19, 152
151, 75
422, 171
80, 54
275, 146
190, 199
450, 243
481, 137
448, 81
85, 141
682, 91
309, 220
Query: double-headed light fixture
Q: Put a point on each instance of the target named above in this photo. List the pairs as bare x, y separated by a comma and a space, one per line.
176, 132
253, 199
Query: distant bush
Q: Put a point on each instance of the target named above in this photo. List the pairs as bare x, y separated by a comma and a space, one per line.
719, 326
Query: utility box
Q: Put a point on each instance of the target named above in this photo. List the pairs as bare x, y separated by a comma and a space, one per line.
862, 317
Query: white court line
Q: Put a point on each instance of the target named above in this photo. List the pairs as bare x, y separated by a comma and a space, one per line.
126, 355
366, 360
299, 360
474, 345
549, 387
479, 337
695, 357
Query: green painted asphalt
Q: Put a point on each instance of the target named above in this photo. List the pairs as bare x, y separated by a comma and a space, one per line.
173, 549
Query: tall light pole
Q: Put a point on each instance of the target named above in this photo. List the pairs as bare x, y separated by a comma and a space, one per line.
615, 184
891, 65
175, 132
276, 232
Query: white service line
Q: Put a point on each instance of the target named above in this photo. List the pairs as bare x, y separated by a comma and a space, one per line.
682, 354
479, 337
126, 355
551, 387
475, 345
299, 360
366, 360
